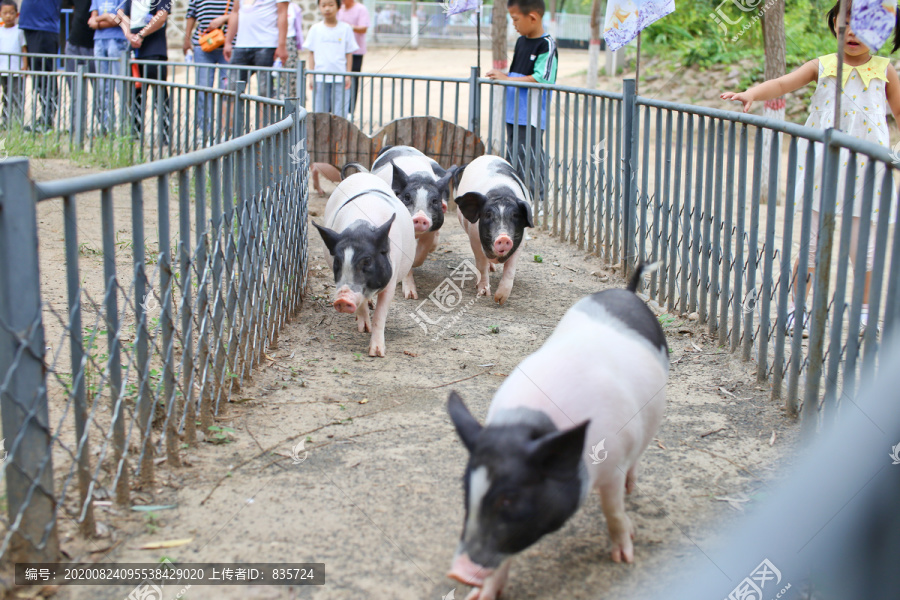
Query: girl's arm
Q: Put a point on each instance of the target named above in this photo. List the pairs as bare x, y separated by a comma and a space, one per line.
892, 89
348, 80
775, 88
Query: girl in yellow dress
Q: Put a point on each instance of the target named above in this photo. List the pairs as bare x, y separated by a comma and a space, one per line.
870, 86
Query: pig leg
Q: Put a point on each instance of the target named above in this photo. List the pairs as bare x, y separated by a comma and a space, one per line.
409, 287
621, 531
493, 585
630, 478
423, 247
376, 344
363, 322
506, 280
482, 265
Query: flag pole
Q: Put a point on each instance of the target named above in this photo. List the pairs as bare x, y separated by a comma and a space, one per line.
637, 66
478, 34
842, 33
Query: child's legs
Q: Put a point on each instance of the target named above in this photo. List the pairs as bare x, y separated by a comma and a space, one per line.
340, 99
5, 101
17, 99
854, 242
870, 252
320, 89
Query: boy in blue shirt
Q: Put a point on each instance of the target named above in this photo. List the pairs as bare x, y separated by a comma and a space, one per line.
535, 60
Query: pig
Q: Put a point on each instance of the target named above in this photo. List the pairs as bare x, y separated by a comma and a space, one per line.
575, 415
371, 243
423, 187
494, 210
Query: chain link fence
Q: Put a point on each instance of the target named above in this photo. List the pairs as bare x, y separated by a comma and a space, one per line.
114, 360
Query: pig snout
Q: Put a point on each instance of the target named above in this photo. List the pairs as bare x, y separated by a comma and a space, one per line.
465, 571
347, 301
502, 245
421, 222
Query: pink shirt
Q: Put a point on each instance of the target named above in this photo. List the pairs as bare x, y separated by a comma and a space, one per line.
357, 16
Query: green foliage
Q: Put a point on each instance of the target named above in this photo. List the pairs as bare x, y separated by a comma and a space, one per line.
692, 36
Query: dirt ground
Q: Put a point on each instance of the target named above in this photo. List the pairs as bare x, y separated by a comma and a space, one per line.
378, 498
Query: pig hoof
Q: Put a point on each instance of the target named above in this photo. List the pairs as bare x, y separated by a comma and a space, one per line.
484, 291
376, 351
363, 326
501, 297
410, 294
623, 552
493, 267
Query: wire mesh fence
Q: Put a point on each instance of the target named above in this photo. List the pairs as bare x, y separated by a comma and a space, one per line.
111, 368
727, 203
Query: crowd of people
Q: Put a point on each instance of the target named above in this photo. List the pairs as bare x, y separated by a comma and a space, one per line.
252, 33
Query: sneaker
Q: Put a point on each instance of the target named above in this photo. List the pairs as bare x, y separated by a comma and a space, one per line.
864, 324
789, 324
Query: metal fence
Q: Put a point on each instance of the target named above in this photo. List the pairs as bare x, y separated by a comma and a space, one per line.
726, 202
124, 344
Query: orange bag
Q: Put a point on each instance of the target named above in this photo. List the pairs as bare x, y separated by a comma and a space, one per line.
214, 38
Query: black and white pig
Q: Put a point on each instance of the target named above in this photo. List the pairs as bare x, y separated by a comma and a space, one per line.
370, 241
494, 209
575, 415
423, 187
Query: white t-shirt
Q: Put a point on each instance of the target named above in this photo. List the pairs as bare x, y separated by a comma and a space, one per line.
330, 47
11, 40
258, 24
292, 15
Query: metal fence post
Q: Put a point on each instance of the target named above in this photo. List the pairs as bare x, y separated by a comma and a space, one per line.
629, 189
78, 109
23, 391
238, 110
127, 91
821, 280
474, 102
301, 81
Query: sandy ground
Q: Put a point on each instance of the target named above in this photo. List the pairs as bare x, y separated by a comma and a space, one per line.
379, 498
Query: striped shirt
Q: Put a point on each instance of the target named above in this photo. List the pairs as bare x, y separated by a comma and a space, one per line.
204, 11
538, 58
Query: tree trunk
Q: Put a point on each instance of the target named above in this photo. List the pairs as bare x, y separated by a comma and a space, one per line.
594, 48
774, 44
413, 25
498, 52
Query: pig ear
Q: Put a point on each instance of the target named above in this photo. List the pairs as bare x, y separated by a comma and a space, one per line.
525, 209
399, 179
444, 182
331, 238
470, 204
560, 451
466, 425
382, 236
458, 175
